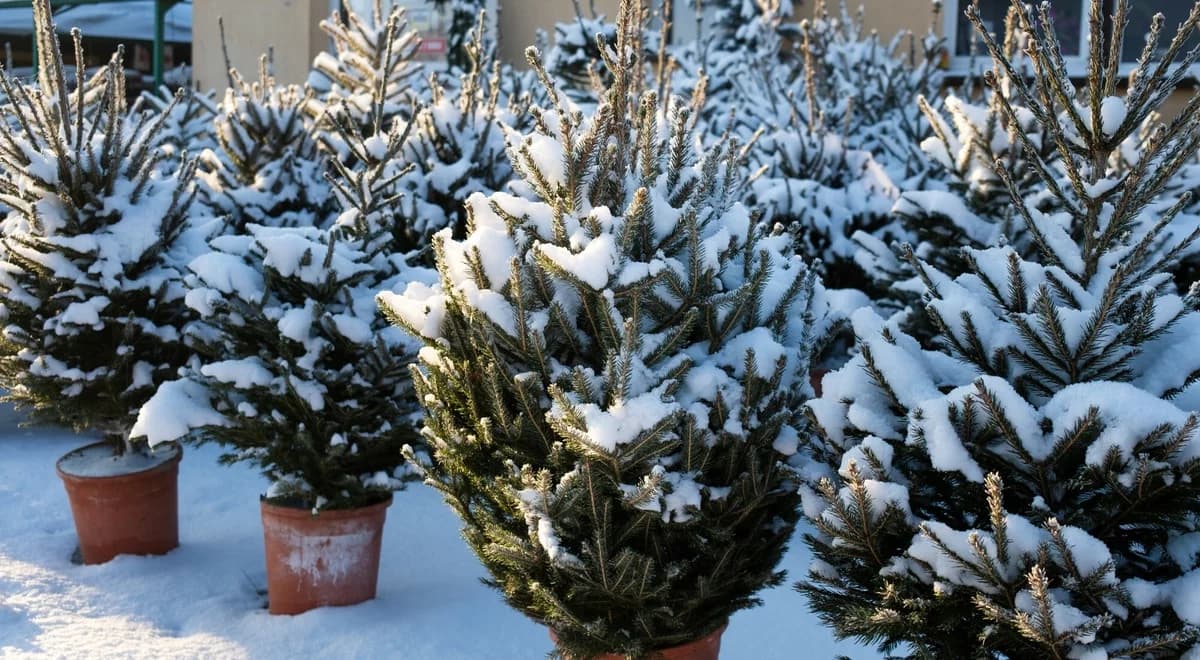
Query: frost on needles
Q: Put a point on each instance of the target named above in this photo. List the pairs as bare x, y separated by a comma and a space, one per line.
267, 169
1027, 482
614, 357
371, 71
91, 301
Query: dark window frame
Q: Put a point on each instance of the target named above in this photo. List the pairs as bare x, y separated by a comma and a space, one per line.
1077, 64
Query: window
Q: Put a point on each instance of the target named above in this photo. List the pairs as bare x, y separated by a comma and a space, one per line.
684, 26
1071, 25
1068, 21
432, 22
1140, 14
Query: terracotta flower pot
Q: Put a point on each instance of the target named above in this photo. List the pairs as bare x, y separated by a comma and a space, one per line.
705, 648
316, 560
123, 514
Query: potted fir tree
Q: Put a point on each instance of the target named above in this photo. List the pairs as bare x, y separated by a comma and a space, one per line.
298, 373
1027, 483
369, 76
612, 361
456, 143
266, 168
92, 304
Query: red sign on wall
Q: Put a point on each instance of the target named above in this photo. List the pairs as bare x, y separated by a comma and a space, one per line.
433, 46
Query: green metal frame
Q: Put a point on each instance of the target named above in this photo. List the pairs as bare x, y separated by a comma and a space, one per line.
160, 17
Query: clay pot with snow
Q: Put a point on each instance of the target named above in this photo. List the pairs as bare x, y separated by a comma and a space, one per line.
123, 504
317, 558
307, 382
91, 291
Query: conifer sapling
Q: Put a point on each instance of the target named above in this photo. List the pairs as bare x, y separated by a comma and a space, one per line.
463, 17
296, 370
90, 299
613, 359
267, 169
371, 72
188, 127
457, 146
1027, 483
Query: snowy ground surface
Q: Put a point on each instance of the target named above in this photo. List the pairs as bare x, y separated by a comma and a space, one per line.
202, 600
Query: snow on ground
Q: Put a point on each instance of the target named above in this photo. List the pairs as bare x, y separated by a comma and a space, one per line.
202, 600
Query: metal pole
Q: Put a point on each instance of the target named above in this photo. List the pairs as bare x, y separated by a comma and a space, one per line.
160, 18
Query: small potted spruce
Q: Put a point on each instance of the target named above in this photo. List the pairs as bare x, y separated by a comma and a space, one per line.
90, 301
266, 167
298, 373
1026, 482
369, 76
456, 146
612, 362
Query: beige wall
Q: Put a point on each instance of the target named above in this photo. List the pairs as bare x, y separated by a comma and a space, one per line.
891, 16
252, 26
291, 26
520, 20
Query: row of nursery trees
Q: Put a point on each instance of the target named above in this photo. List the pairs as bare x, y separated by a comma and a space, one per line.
649, 306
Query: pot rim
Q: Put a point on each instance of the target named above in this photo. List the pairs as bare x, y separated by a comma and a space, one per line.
170, 463
283, 511
715, 632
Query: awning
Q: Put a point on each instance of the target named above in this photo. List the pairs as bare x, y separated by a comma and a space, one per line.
125, 19
121, 19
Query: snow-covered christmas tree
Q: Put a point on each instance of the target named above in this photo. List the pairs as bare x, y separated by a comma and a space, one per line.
457, 146
367, 182
1024, 485
614, 358
814, 127
824, 192
747, 26
453, 130
973, 155
463, 16
865, 88
92, 303
267, 169
371, 72
188, 124
574, 54
296, 371
574, 59
295, 368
